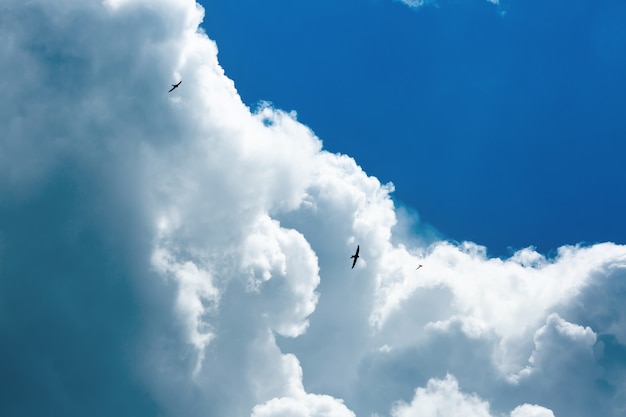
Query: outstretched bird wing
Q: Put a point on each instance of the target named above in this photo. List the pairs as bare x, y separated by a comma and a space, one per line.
355, 256
174, 86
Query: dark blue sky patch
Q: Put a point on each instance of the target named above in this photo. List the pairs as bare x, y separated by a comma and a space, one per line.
504, 129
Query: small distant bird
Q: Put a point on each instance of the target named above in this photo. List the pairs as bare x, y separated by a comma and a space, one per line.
418, 267
175, 86
355, 256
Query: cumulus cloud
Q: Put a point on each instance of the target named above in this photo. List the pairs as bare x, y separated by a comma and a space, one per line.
528, 410
182, 254
299, 403
507, 298
443, 397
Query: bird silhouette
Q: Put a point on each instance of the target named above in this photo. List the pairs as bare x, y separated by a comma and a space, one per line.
175, 86
418, 267
355, 256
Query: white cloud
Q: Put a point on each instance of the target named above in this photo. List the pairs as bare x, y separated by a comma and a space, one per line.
419, 3
241, 227
196, 296
442, 397
505, 298
562, 336
309, 405
528, 410
298, 403
272, 252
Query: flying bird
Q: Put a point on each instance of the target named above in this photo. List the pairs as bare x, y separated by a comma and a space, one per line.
418, 267
174, 86
355, 256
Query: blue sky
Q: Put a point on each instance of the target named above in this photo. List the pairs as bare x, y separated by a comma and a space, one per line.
500, 124
187, 253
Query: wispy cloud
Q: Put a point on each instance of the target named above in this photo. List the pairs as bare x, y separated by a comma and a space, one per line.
415, 4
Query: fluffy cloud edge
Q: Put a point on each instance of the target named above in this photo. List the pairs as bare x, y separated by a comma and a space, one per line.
444, 397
